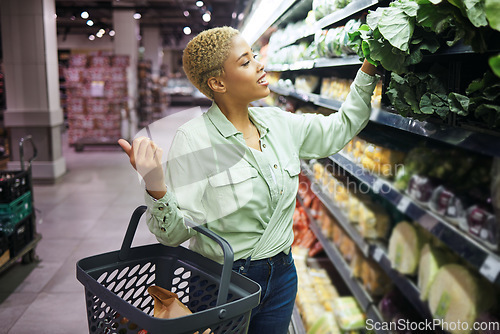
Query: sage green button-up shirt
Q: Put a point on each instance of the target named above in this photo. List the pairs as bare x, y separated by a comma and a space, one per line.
244, 195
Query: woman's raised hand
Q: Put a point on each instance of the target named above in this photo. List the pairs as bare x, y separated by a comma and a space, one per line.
145, 156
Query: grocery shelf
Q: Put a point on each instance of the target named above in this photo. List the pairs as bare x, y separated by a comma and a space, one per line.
461, 137
354, 7
377, 252
479, 142
364, 299
340, 14
363, 246
402, 282
296, 323
315, 63
477, 255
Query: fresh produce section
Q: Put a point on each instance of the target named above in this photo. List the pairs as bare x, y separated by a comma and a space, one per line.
412, 202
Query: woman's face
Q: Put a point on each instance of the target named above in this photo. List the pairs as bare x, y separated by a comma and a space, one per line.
244, 76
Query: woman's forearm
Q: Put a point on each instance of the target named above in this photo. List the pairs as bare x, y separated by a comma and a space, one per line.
368, 68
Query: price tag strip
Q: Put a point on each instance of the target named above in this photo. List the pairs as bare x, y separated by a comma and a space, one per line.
490, 268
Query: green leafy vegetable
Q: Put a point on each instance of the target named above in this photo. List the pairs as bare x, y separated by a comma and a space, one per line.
495, 64
492, 10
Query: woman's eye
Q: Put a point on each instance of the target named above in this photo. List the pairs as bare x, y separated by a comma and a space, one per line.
246, 63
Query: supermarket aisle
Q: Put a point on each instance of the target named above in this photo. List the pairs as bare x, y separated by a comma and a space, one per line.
85, 214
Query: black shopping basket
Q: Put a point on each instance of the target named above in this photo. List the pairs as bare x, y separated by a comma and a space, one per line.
116, 288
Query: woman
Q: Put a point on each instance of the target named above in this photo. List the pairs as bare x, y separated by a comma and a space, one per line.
249, 161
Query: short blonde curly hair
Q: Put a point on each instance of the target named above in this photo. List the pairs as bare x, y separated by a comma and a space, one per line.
204, 56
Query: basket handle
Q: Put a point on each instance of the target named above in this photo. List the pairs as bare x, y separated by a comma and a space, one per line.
226, 249
21, 151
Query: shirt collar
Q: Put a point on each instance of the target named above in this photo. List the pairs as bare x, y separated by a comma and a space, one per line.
227, 129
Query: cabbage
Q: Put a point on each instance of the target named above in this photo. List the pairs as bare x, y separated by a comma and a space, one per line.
404, 248
456, 294
431, 259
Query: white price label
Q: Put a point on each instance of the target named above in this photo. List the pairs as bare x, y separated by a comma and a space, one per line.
377, 185
377, 254
403, 204
490, 268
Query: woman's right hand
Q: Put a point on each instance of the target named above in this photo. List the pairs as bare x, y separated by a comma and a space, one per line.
145, 157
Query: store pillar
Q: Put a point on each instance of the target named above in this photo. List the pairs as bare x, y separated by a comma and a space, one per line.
29, 41
126, 42
152, 42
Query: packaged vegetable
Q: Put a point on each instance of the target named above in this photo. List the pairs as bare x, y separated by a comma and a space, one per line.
348, 314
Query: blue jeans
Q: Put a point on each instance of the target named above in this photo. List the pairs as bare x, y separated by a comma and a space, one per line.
277, 278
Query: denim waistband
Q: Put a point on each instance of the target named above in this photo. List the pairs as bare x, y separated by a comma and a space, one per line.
249, 261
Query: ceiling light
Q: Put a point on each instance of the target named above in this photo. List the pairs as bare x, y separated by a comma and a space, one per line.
206, 17
137, 16
199, 3
187, 30
186, 13
91, 37
241, 16
84, 15
90, 23
234, 15
111, 33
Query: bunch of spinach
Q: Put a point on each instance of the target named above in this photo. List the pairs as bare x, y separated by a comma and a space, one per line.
482, 100
397, 36
392, 38
419, 94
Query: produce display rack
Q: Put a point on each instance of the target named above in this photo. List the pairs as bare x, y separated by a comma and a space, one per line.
370, 249
462, 137
484, 260
363, 246
454, 131
365, 301
297, 327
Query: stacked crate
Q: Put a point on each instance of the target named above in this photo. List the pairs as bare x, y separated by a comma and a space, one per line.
16, 213
97, 96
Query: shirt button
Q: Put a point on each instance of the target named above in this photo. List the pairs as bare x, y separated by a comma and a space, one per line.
160, 208
163, 229
263, 145
275, 166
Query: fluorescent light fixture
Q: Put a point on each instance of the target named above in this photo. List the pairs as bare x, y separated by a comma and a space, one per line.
265, 14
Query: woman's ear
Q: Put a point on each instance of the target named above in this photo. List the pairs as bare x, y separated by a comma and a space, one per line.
216, 84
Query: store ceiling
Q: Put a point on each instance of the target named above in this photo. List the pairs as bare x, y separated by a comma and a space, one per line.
168, 15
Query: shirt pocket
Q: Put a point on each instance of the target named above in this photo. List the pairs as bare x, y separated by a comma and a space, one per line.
231, 190
292, 171
293, 166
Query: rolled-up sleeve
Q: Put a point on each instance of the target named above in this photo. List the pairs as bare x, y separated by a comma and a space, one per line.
318, 136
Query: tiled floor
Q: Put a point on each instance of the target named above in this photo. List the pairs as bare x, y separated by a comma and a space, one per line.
85, 214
